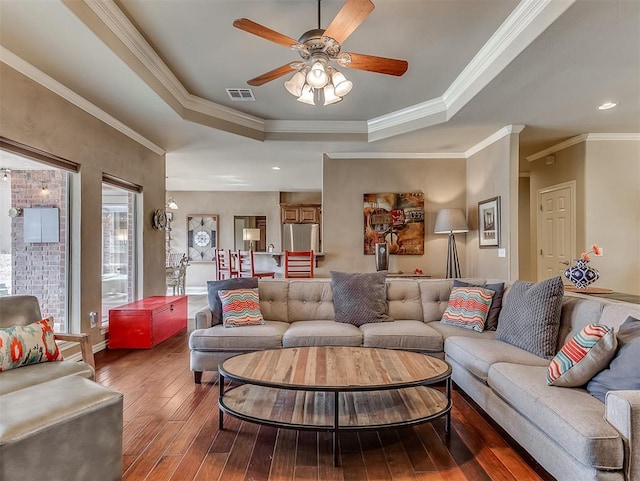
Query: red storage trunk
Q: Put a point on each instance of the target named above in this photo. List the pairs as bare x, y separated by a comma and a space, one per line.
146, 323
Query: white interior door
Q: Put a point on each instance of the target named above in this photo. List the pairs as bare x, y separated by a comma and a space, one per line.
556, 229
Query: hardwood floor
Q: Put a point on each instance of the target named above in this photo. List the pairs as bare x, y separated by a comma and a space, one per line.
171, 433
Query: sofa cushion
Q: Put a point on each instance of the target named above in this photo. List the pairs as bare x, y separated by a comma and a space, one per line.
249, 338
477, 355
30, 344
496, 301
622, 374
572, 418
38, 373
583, 356
310, 299
224, 285
240, 307
321, 333
274, 296
403, 300
402, 334
530, 318
468, 307
359, 298
449, 331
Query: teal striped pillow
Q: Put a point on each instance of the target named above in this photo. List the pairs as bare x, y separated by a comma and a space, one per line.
240, 307
468, 307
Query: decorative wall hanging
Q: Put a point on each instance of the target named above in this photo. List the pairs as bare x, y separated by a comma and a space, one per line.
397, 220
489, 222
202, 237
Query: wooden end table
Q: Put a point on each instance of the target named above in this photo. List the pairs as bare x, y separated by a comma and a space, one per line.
335, 389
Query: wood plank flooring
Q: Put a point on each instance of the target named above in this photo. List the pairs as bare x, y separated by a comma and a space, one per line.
171, 433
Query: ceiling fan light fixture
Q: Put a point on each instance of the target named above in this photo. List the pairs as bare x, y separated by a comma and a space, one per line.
294, 84
341, 85
330, 96
307, 96
317, 76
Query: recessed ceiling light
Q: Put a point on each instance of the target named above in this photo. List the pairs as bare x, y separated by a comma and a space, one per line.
607, 105
275, 167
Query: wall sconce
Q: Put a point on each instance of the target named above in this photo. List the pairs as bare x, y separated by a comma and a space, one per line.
45, 189
6, 171
171, 204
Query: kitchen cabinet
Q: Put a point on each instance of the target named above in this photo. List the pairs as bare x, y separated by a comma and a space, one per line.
300, 213
146, 323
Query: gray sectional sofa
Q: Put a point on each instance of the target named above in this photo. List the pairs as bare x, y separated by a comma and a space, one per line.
570, 433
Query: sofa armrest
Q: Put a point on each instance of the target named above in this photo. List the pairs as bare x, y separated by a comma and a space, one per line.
204, 319
86, 348
622, 411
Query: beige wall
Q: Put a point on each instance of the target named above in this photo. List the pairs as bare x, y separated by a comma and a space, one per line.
345, 181
225, 205
607, 176
32, 115
612, 212
493, 172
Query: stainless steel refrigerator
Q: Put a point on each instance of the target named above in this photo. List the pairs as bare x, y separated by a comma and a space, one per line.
301, 237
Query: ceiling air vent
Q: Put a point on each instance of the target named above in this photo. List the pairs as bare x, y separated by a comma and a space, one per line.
241, 95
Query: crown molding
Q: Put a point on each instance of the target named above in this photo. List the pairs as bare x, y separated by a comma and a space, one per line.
614, 136
525, 23
120, 26
503, 132
25, 68
583, 138
394, 155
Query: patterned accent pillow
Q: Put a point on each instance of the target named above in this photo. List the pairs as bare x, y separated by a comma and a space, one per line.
530, 316
225, 285
241, 307
360, 298
468, 307
583, 356
622, 374
496, 302
31, 344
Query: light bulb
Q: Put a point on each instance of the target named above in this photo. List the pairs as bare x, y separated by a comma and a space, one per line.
341, 85
330, 96
294, 84
317, 76
307, 95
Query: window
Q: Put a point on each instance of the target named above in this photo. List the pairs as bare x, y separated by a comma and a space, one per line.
118, 248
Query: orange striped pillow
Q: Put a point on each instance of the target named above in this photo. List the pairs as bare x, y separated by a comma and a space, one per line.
240, 307
468, 307
583, 356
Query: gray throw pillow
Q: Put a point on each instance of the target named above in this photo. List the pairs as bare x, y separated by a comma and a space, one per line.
496, 302
360, 298
622, 373
530, 317
215, 304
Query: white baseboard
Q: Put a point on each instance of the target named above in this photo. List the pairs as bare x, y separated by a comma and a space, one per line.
95, 348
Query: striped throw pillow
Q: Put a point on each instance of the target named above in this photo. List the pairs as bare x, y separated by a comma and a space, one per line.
583, 356
240, 307
468, 307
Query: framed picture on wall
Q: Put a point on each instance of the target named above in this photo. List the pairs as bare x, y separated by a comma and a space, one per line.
489, 222
202, 237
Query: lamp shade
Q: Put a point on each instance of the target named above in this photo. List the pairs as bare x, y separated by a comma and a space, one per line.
317, 76
330, 96
450, 220
295, 84
307, 96
341, 84
251, 234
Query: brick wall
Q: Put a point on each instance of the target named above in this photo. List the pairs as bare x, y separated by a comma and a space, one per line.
40, 269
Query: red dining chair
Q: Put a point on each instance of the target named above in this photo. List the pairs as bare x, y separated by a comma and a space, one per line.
299, 264
246, 266
224, 265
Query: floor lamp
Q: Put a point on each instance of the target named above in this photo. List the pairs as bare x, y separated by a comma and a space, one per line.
451, 221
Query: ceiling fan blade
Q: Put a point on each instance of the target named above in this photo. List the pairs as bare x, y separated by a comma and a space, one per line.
264, 32
272, 75
352, 14
389, 66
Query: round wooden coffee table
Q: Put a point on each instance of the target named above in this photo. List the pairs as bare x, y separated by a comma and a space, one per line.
335, 389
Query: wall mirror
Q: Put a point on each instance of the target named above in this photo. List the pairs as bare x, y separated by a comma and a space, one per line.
250, 231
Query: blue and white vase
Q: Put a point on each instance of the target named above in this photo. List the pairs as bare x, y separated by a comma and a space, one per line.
581, 274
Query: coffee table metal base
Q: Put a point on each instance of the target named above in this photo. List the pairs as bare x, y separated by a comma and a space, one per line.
335, 410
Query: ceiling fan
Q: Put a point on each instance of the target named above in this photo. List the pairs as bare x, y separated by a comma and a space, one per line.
318, 48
